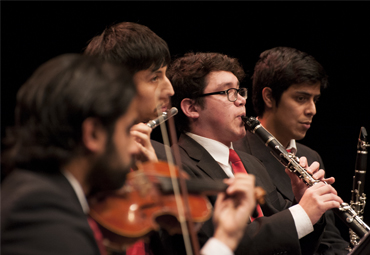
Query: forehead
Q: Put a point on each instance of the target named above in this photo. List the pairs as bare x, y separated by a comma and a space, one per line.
221, 80
313, 89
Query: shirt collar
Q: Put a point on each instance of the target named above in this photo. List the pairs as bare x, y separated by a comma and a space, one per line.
218, 150
78, 190
292, 146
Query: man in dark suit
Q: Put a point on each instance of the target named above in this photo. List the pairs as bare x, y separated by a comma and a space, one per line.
211, 105
71, 141
286, 86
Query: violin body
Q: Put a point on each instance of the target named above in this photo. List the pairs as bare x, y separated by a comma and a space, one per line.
144, 204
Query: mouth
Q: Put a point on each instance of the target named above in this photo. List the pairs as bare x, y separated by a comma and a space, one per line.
306, 124
163, 107
240, 117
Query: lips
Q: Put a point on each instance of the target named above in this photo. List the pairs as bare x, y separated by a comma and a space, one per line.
306, 125
240, 117
162, 107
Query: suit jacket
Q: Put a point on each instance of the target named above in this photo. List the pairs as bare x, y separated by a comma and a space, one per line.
160, 150
332, 242
273, 234
41, 214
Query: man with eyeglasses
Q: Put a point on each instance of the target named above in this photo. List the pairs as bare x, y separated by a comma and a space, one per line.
211, 104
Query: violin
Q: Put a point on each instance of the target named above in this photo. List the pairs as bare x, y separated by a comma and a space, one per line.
146, 202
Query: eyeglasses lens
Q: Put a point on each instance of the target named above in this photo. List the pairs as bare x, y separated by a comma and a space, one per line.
233, 94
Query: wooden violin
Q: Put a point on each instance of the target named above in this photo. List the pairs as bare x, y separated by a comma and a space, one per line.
147, 202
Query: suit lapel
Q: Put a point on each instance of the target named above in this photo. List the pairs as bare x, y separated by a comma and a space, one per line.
275, 169
205, 162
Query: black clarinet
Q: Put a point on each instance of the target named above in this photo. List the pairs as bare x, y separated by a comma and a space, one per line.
358, 198
290, 161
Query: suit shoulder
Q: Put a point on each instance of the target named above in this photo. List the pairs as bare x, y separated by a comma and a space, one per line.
252, 159
303, 150
23, 190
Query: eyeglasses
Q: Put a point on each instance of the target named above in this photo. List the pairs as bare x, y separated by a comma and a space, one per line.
232, 93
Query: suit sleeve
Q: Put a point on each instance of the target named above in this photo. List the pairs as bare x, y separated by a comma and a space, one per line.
332, 242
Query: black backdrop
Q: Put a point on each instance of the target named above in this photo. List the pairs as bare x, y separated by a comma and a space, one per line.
335, 33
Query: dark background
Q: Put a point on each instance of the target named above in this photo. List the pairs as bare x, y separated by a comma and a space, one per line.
335, 33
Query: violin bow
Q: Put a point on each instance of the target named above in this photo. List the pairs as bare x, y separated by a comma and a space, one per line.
189, 234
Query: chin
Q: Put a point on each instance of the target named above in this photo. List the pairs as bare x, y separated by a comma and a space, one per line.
240, 135
299, 136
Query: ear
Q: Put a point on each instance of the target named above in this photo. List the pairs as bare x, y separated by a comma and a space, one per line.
189, 108
267, 97
94, 136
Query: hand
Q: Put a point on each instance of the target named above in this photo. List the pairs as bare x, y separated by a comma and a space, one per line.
141, 133
298, 186
233, 209
318, 199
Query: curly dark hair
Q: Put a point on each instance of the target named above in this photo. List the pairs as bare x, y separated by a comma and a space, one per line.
188, 75
281, 67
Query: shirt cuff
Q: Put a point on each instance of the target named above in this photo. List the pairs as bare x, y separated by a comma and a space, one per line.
215, 247
302, 222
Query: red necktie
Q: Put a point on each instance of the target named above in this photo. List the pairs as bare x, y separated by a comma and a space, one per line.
97, 234
238, 167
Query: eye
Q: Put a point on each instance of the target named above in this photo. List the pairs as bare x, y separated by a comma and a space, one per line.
155, 78
301, 98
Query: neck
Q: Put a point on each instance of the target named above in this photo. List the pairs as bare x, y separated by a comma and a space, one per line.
269, 125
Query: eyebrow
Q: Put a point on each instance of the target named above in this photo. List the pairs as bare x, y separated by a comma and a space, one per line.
307, 94
227, 85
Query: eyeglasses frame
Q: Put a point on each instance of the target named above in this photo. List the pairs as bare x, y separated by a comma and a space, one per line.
226, 92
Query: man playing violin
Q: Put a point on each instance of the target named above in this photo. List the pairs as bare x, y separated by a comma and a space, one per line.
286, 87
211, 104
71, 140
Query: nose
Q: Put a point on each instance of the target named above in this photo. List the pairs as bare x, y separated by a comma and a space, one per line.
311, 108
167, 88
240, 101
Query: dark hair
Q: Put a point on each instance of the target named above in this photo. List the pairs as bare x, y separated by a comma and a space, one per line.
188, 77
131, 44
54, 102
281, 67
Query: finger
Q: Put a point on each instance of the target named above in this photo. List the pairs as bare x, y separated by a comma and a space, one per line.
319, 175
241, 182
142, 138
313, 168
330, 180
321, 188
303, 162
141, 127
331, 197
